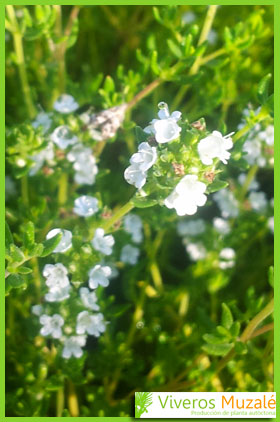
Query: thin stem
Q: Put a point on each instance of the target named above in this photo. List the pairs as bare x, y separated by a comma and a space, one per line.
213, 56
264, 329
63, 188
36, 276
211, 12
250, 177
249, 332
118, 215
18, 46
73, 403
59, 52
59, 402
24, 190
146, 91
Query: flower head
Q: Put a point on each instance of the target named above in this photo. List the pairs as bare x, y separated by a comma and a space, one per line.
187, 196
102, 243
91, 324
99, 275
37, 310
129, 254
196, 251
42, 120
191, 228
227, 203
65, 242
58, 294
215, 146
145, 157
134, 176
227, 258
56, 275
165, 129
258, 201
65, 104
63, 137
46, 154
134, 226
51, 325
222, 226
73, 346
89, 298
85, 206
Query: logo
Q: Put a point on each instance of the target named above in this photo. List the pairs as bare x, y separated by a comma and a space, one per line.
142, 401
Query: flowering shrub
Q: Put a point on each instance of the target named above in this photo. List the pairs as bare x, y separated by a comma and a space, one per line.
139, 206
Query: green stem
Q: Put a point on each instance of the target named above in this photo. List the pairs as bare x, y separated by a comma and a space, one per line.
248, 333
24, 190
63, 188
250, 177
211, 12
59, 402
118, 215
263, 114
146, 91
73, 403
18, 46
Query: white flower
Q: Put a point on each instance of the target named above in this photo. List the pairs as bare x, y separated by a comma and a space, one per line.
254, 185
190, 228
165, 128
99, 275
63, 137
56, 275
73, 346
51, 325
253, 149
37, 310
43, 120
215, 146
134, 176
78, 153
270, 223
129, 254
102, 243
85, 206
187, 196
258, 201
227, 203
65, 242
222, 226
268, 135
188, 17
145, 157
134, 226
58, 294
227, 256
196, 251
65, 104
47, 154
89, 298
212, 37
91, 324
85, 170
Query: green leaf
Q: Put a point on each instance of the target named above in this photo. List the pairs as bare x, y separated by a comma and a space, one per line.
24, 270
36, 250
240, 348
74, 34
142, 202
210, 338
227, 319
14, 281
109, 85
222, 331
271, 276
157, 15
217, 349
8, 235
174, 48
28, 235
235, 329
16, 253
154, 64
216, 185
50, 244
262, 92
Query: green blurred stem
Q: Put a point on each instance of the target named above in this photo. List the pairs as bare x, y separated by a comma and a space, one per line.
211, 12
24, 190
118, 215
63, 188
36, 276
263, 114
59, 402
18, 46
73, 403
146, 91
250, 177
249, 332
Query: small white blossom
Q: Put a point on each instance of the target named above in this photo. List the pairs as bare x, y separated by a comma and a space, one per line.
65, 104
42, 120
253, 149
227, 203
73, 346
222, 226
165, 129
254, 185
89, 298
37, 310
212, 37
56, 275
196, 251
58, 294
63, 137
227, 256
85, 206
145, 157
270, 223
86, 171
188, 17
91, 324
129, 254
187, 196
78, 153
258, 201
190, 228
215, 146
267, 135
51, 325
65, 242
99, 276
134, 176
47, 154
102, 243
134, 226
